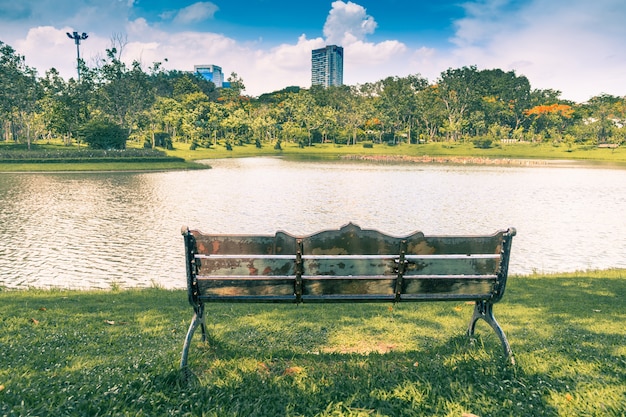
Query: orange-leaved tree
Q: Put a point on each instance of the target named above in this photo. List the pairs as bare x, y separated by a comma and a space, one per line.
550, 119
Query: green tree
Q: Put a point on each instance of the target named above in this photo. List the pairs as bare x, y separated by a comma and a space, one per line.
262, 123
458, 91
604, 114
233, 94
236, 125
398, 100
18, 95
357, 109
430, 112
124, 94
504, 96
195, 112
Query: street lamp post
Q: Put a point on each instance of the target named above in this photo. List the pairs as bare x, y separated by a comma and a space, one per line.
77, 38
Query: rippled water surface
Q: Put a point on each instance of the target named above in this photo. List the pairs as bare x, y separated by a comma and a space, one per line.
94, 230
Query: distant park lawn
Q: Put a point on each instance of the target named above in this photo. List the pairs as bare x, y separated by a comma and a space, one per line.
451, 149
116, 353
58, 157
182, 157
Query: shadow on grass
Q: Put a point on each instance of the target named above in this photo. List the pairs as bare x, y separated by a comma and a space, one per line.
566, 333
452, 376
116, 353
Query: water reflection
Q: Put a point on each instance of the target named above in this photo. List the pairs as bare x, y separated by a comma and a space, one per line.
91, 230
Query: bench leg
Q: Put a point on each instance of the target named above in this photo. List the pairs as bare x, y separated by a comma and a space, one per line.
198, 319
484, 310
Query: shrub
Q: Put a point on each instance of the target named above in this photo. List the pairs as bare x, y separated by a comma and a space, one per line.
103, 134
163, 140
482, 143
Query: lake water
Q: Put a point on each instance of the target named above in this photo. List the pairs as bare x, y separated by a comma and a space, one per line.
95, 230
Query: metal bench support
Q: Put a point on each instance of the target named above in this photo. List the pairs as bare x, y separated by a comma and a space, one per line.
198, 319
484, 310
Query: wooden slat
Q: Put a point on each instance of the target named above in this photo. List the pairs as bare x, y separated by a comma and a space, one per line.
339, 298
453, 256
447, 286
244, 256
249, 299
452, 266
246, 288
349, 266
280, 243
246, 266
347, 286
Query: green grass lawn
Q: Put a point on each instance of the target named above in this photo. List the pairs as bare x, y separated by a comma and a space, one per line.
117, 353
331, 151
100, 166
327, 151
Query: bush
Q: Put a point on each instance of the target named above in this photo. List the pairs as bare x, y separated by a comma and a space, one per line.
368, 145
103, 134
163, 140
482, 143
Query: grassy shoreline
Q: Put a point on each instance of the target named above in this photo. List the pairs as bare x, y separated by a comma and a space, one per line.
114, 166
533, 152
71, 353
443, 152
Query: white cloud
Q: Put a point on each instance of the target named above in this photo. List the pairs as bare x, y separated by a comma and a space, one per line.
268, 69
263, 69
574, 46
369, 62
196, 12
283, 66
348, 25
46, 47
347, 22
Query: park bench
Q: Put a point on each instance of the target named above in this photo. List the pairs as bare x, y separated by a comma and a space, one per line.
346, 265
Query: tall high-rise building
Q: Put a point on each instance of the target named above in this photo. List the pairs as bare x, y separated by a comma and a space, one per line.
327, 66
212, 73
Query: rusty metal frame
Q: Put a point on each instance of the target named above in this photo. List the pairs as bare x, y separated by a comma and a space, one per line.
483, 308
193, 294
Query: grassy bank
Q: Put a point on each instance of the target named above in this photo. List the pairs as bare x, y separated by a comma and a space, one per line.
57, 157
117, 352
100, 166
444, 149
183, 158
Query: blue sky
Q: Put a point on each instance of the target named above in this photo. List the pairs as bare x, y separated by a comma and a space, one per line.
575, 46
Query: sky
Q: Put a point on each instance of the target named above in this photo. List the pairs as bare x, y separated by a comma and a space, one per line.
575, 46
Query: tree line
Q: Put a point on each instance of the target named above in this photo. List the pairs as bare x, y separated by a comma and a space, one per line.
167, 108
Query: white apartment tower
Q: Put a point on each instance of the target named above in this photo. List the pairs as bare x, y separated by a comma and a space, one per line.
327, 66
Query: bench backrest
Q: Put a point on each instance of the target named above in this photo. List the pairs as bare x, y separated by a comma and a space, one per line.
349, 264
